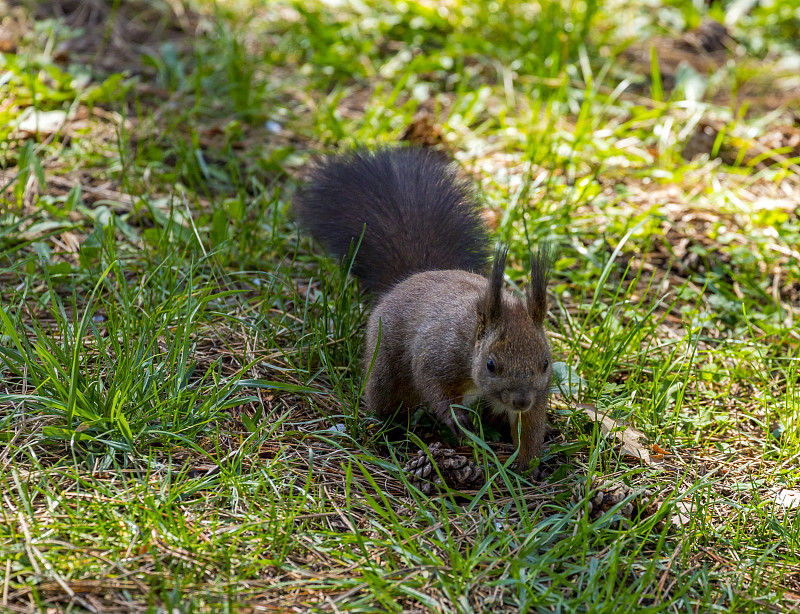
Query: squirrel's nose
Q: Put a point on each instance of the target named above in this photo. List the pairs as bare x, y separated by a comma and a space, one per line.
520, 401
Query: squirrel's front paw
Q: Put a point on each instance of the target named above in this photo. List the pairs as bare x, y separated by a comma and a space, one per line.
456, 418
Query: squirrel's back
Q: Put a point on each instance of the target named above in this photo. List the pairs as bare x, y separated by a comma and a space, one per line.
414, 211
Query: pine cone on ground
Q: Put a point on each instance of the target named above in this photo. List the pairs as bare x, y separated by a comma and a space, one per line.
605, 495
459, 472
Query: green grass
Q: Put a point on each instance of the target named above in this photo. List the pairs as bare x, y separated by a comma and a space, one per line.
180, 367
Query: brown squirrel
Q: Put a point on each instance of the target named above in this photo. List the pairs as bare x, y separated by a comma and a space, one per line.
444, 335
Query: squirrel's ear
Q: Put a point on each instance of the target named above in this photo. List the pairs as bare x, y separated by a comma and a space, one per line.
537, 289
489, 306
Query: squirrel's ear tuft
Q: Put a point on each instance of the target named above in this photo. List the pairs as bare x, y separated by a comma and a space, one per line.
490, 305
537, 289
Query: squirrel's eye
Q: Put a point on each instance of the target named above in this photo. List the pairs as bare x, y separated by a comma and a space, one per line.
490, 365
546, 364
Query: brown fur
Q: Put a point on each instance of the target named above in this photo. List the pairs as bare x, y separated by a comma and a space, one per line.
434, 334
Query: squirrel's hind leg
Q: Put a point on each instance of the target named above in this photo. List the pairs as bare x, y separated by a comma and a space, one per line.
387, 395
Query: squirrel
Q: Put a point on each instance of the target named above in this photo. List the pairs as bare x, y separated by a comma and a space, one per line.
439, 334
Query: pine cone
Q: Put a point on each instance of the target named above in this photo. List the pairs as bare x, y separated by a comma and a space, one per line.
458, 471
605, 495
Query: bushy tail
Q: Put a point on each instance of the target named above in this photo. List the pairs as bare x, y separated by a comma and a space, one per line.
415, 213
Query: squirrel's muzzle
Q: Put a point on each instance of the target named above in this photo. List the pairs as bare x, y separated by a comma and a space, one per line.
521, 401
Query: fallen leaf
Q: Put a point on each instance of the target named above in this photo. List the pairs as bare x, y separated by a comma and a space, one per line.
787, 498
629, 438
8, 43
656, 449
684, 510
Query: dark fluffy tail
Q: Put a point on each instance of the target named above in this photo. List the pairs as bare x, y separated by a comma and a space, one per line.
415, 213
